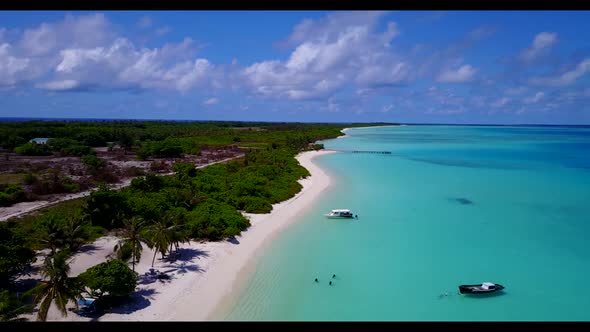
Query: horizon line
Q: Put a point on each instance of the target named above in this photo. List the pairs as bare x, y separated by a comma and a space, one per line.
23, 119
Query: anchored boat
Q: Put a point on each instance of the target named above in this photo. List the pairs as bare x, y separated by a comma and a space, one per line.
340, 213
483, 288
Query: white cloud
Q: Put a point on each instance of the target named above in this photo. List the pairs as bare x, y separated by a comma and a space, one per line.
540, 46
211, 101
59, 85
462, 74
387, 108
535, 98
329, 53
12, 69
144, 22
516, 90
500, 102
330, 26
566, 78
86, 50
85, 31
331, 107
433, 63
163, 30
575, 96
445, 111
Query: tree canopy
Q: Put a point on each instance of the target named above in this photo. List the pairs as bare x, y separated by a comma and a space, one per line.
15, 254
113, 277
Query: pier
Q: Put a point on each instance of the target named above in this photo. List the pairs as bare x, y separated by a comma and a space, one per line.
363, 151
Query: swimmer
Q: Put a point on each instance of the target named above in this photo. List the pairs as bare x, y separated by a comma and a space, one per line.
316, 279
330, 283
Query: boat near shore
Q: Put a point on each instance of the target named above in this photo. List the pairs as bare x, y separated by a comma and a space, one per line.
340, 213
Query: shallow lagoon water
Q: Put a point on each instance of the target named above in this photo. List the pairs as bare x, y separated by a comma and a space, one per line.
451, 205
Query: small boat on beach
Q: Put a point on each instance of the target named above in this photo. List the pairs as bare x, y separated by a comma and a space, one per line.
340, 213
483, 288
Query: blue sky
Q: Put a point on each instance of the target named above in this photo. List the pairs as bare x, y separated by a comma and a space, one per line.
344, 66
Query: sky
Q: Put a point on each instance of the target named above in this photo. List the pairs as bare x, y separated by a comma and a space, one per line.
484, 67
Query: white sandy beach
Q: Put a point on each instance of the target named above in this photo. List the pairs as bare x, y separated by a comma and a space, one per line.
205, 279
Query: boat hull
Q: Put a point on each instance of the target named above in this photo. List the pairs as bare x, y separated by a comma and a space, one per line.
477, 289
338, 217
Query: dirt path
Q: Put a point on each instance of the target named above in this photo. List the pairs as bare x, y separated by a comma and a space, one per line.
26, 207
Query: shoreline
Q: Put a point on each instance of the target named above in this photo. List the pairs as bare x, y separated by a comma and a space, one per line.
210, 275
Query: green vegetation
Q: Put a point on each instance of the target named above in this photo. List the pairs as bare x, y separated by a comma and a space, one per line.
10, 194
113, 278
69, 147
161, 212
11, 306
57, 286
33, 149
15, 254
130, 245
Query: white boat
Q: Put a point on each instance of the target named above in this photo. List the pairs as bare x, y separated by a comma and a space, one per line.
340, 213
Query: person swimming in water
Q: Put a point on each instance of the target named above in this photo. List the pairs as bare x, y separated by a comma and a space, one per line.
333, 276
316, 279
330, 283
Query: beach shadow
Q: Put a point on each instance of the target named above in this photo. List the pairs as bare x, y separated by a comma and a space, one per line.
146, 279
187, 254
184, 268
233, 240
88, 248
30, 271
136, 301
23, 285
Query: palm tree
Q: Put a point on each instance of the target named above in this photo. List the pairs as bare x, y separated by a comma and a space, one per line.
52, 235
58, 287
178, 232
159, 238
73, 233
132, 239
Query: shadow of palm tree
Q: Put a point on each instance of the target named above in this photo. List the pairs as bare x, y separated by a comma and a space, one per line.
88, 248
184, 268
187, 254
23, 285
233, 240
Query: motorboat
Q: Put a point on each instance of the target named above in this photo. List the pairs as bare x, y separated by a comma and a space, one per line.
483, 288
340, 213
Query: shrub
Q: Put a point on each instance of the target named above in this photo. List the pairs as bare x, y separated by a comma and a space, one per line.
10, 194
33, 149
93, 162
253, 204
113, 277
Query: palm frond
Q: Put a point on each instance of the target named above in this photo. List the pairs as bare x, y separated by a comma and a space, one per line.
44, 308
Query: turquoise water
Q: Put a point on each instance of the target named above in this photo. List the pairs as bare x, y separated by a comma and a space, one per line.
416, 237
